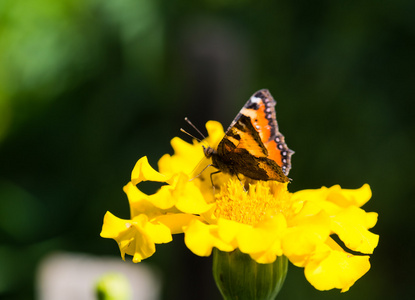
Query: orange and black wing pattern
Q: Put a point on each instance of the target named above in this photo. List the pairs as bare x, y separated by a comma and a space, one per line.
261, 109
253, 145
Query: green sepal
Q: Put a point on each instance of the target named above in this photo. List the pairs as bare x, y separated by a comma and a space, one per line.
240, 277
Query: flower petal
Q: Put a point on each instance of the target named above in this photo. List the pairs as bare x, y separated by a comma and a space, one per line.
176, 222
200, 238
188, 197
112, 226
272, 231
335, 195
135, 237
228, 229
261, 238
163, 198
182, 193
215, 133
311, 195
139, 202
300, 241
186, 157
338, 270
348, 197
143, 172
351, 226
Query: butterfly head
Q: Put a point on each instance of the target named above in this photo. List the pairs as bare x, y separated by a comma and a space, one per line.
208, 151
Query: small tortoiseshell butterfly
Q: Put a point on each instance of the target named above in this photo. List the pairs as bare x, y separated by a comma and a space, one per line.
253, 145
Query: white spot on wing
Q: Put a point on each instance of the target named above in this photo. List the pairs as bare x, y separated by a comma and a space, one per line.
256, 100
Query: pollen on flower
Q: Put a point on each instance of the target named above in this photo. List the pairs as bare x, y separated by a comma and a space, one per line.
250, 207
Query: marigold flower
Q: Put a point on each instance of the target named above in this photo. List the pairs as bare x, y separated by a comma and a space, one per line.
263, 219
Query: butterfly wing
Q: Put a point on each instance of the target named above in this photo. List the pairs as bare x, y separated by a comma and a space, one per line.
261, 110
242, 151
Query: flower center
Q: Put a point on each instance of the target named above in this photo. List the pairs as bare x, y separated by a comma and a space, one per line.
251, 207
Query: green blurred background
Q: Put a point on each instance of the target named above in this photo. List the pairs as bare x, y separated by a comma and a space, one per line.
87, 87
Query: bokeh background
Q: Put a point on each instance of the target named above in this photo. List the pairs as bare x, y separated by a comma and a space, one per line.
87, 87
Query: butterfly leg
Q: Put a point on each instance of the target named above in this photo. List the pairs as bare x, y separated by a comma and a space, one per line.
202, 172
211, 179
243, 186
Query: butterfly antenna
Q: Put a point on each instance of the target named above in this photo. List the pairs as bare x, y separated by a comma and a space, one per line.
192, 136
191, 124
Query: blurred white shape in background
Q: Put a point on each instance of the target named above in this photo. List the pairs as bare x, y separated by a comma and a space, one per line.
68, 276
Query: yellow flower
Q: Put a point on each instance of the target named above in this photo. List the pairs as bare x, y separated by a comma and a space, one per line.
263, 219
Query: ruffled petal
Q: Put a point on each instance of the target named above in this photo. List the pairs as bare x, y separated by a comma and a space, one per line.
139, 202
189, 158
351, 226
335, 269
215, 133
263, 242
301, 241
135, 237
349, 197
263, 236
176, 222
311, 195
112, 226
183, 194
144, 172
188, 197
228, 230
186, 157
200, 238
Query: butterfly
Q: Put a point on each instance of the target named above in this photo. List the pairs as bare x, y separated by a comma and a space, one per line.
253, 145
